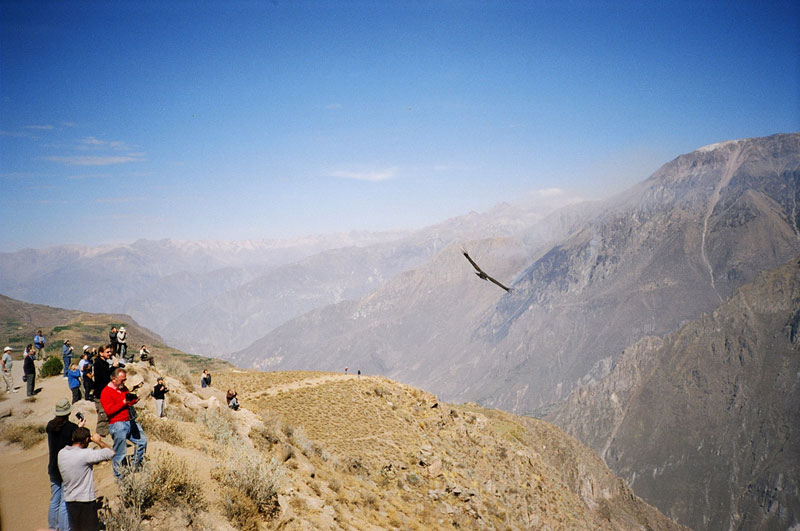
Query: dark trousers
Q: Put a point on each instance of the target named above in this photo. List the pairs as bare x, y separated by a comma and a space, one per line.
31, 382
87, 388
83, 516
76, 393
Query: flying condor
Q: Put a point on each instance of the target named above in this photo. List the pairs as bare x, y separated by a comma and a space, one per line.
481, 273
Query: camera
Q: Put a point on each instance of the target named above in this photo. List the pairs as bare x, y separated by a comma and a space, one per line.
131, 397
79, 415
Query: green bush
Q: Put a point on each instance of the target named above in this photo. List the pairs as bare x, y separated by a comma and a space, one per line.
52, 366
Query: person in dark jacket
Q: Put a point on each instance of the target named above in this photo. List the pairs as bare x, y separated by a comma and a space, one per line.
159, 393
29, 372
112, 340
102, 375
59, 434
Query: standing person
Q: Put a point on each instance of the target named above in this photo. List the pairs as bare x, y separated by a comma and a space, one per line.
29, 372
112, 339
102, 376
116, 401
75, 464
7, 376
85, 366
122, 342
159, 393
205, 380
59, 434
74, 381
38, 342
66, 355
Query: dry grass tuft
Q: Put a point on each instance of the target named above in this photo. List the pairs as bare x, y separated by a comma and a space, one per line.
161, 429
166, 480
251, 475
26, 435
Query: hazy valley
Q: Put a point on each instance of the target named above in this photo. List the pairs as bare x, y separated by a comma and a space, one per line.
658, 326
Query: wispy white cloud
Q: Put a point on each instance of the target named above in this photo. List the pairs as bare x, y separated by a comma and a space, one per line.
82, 176
334, 106
45, 127
548, 192
122, 199
79, 160
366, 175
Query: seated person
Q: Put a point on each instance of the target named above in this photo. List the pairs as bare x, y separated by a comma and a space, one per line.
233, 401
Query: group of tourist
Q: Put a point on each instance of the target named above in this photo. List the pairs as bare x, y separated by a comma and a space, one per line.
100, 376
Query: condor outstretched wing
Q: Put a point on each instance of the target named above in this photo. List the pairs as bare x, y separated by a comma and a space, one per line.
481, 273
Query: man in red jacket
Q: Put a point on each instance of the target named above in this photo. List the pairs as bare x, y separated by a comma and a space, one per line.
116, 401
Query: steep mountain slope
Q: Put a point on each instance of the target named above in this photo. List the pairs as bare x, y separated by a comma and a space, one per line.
314, 451
704, 423
639, 264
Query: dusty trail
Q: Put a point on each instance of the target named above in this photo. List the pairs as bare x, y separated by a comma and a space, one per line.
308, 382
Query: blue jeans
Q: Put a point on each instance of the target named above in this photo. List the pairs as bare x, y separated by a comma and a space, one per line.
57, 514
67, 361
121, 432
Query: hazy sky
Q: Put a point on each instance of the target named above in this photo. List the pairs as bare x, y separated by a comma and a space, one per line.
236, 120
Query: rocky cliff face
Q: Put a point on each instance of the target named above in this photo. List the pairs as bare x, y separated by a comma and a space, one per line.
640, 264
704, 423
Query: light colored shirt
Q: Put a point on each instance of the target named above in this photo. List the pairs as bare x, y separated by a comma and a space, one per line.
77, 475
7, 360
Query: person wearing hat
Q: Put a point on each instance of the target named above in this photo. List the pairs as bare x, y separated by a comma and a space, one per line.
159, 393
7, 376
66, 354
85, 366
59, 434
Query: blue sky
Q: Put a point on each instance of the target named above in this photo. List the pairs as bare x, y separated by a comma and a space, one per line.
238, 120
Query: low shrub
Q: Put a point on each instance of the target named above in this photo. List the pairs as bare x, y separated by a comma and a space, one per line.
250, 475
164, 480
160, 429
52, 366
26, 435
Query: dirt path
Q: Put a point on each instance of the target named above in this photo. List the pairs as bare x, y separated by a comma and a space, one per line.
308, 382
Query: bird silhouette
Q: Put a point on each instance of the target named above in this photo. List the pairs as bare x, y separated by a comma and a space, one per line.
481, 273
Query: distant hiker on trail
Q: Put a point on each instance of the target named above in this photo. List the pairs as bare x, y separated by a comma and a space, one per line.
74, 381
66, 355
116, 401
75, 464
205, 380
359, 374
8, 378
345, 370
59, 434
159, 393
29, 372
122, 345
102, 376
38, 342
232, 398
112, 339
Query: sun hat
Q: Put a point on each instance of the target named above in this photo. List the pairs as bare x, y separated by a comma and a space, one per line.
86, 347
63, 407
7, 349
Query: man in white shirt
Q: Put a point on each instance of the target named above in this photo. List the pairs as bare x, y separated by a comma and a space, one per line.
75, 464
7, 376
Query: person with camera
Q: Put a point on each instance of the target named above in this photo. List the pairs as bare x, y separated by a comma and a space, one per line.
159, 393
59, 435
75, 464
116, 401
